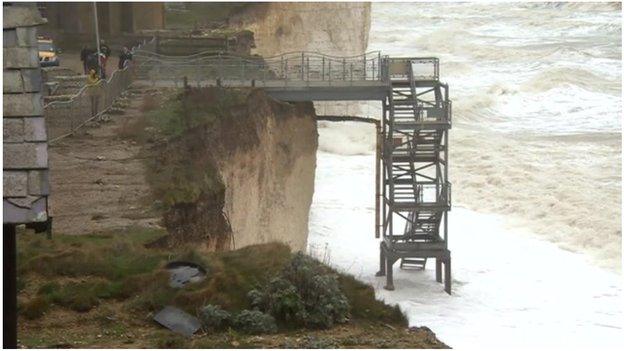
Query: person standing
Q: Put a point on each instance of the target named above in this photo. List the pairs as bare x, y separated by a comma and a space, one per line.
84, 55
93, 80
92, 61
105, 52
124, 58
102, 61
104, 48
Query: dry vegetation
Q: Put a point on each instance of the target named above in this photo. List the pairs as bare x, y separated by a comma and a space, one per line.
102, 290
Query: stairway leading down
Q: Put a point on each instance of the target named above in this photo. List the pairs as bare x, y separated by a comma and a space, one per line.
416, 192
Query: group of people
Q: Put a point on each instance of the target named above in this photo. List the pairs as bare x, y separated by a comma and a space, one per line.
94, 65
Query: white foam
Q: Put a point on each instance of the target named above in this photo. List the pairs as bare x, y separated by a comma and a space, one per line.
510, 289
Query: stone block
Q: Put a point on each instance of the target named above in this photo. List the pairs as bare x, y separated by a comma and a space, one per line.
35, 129
21, 15
20, 57
18, 212
9, 38
25, 156
31, 79
27, 37
16, 105
13, 130
38, 182
15, 183
12, 81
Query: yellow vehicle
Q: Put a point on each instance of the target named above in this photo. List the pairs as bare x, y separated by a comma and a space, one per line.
48, 53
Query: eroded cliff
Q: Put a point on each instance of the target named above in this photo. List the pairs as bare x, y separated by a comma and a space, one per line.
234, 168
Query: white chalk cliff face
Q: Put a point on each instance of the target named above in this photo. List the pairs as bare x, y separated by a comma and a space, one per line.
330, 28
269, 186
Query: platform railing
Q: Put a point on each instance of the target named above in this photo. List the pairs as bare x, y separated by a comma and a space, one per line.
422, 68
286, 68
437, 113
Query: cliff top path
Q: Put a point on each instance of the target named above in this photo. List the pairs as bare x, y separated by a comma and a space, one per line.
97, 177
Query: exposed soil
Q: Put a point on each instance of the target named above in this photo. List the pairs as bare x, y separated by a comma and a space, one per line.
107, 328
97, 178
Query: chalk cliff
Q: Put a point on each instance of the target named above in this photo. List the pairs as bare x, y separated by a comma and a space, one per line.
331, 28
240, 173
266, 160
269, 187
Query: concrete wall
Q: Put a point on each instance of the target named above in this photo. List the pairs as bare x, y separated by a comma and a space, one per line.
25, 148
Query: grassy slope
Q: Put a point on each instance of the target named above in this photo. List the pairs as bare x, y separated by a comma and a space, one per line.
182, 176
102, 289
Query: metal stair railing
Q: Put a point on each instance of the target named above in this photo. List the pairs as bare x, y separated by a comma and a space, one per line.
64, 117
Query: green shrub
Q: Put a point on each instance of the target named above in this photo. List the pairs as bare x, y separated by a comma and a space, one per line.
255, 322
325, 303
214, 317
306, 293
281, 300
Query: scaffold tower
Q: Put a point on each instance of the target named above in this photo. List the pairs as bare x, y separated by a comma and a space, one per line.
416, 193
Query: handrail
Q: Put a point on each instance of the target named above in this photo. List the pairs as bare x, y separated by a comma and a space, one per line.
256, 60
296, 53
63, 118
429, 193
397, 69
294, 66
86, 86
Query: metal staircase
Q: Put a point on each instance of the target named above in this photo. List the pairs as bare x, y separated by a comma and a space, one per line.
416, 191
413, 195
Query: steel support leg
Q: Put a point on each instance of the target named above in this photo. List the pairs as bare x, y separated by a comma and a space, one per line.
447, 276
382, 261
389, 279
438, 270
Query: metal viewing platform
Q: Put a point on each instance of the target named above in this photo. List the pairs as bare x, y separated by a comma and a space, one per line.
413, 194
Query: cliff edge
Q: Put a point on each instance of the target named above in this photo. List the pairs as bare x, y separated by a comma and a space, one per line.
233, 168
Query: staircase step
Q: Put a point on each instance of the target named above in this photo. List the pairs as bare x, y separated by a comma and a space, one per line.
413, 263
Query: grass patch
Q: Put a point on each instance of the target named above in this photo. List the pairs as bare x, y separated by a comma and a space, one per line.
94, 273
364, 305
114, 262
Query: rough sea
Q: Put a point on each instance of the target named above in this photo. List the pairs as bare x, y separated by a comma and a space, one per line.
535, 162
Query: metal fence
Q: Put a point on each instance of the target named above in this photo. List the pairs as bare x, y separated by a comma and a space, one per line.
290, 67
64, 117
420, 68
